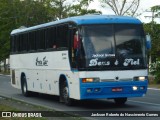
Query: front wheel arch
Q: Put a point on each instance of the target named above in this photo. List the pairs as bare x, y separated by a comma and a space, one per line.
64, 91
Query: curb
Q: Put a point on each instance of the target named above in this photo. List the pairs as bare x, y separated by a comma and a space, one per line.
153, 88
4, 75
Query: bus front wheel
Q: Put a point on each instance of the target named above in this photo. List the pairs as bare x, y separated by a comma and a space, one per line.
120, 101
24, 87
65, 94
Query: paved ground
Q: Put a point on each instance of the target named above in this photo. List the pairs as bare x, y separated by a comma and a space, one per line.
151, 102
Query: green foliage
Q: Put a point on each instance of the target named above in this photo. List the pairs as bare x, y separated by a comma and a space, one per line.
16, 13
156, 9
154, 29
155, 66
155, 70
59, 9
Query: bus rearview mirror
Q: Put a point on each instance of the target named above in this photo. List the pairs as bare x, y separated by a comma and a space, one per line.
148, 41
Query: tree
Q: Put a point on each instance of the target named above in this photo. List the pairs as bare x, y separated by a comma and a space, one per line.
154, 29
16, 13
56, 8
81, 8
66, 8
122, 7
156, 9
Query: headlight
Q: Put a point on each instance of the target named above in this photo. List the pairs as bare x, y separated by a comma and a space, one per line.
135, 88
89, 80
140, 78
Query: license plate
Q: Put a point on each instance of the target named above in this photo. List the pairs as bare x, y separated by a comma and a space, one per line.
117, 89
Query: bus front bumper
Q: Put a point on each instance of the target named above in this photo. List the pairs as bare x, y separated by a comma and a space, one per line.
102, 90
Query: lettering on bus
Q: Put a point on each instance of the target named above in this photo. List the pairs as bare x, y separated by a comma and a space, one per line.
131, 62
102, 55
95, 62
41, 62
116, 62
64, 56
127, 62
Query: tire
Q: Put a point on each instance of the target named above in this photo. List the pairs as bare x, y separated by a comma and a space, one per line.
120, 101
24, 87
65, 94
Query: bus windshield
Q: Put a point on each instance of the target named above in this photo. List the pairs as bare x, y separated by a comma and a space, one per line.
117, 46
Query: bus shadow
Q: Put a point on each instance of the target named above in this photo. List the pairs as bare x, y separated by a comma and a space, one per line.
102, 104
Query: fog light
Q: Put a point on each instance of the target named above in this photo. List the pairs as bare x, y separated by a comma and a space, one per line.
89, 90
96, 89
135, 88
141, 88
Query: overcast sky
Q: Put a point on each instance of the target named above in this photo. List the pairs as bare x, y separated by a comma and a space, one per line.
144, 5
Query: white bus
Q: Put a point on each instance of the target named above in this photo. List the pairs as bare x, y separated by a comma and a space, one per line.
83, 57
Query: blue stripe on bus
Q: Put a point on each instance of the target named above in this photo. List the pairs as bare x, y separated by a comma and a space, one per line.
86, 19
104, 19
102, 90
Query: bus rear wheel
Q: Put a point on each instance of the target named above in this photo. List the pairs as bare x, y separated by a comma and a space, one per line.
120, 101
24, 87
65, 94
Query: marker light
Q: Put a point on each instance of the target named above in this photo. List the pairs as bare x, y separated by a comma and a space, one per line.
89, 80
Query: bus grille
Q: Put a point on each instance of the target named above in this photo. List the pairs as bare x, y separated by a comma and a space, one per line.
114, 80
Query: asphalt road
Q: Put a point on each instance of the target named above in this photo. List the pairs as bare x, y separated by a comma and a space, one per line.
151, 102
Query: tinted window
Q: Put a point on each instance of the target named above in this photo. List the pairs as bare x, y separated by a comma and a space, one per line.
117, 46
62, 36
51, 37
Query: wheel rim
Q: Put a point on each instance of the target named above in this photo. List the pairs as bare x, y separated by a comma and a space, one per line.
65, 93
24, 88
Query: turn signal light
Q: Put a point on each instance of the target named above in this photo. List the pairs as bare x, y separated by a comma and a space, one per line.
89, 80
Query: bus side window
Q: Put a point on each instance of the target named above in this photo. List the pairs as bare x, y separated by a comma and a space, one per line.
62, 36
76, 46
24, 42
12, 44
50, 36
18, 44
40, 44
32, 41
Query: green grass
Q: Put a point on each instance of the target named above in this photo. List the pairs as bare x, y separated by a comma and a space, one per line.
7, 108
11, 105
5, 73
154, 86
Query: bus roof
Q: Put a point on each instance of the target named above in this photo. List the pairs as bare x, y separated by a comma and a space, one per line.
84, 20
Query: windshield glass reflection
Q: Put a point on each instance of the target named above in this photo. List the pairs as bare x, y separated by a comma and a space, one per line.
113, 46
